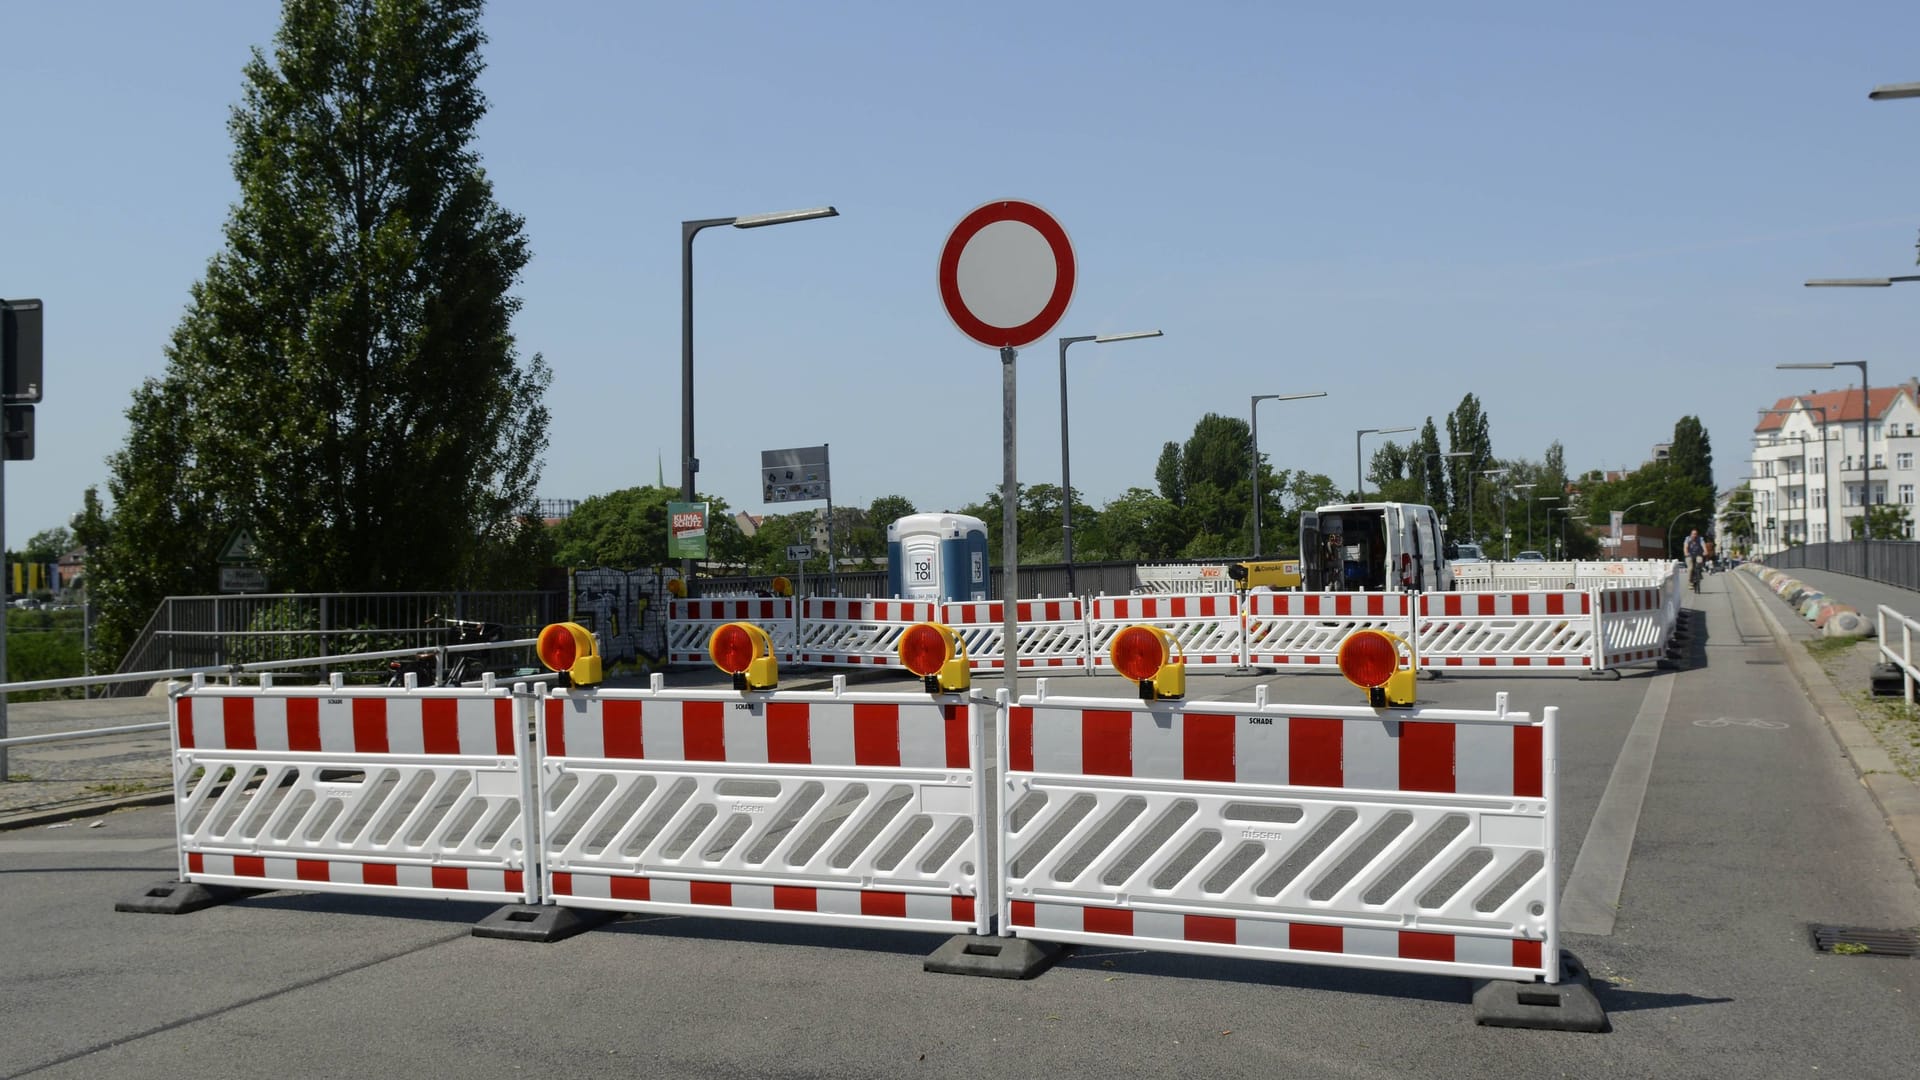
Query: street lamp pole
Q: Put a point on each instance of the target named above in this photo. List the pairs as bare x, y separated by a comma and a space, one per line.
1866, 444
1666, 538
1254, 409
1528, 488
1359, 482
689, 465
1550, 510
1066, 477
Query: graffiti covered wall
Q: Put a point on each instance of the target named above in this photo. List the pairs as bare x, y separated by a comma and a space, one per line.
625, 609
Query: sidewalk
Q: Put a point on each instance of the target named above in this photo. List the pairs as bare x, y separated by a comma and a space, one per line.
1880, 736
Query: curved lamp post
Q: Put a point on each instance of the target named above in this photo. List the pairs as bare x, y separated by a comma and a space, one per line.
689, 465
1359, 481
1254, 408
1066, 480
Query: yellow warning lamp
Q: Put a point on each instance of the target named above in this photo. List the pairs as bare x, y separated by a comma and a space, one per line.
678, 588
1370, 659
782, 587
568, 647
1146, 654
932, 651
745, 652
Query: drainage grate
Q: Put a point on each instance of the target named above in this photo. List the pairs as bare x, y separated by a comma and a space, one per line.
1865, 941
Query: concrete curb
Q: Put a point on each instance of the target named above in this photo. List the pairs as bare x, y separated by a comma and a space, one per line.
1897, 797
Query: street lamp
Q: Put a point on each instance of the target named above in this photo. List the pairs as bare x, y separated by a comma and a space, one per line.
1254, 408
1359, 484
1066, 481
1893, 91
1623, 518
1666, 538
1866, 446
1550, 510
1753, 509
689, 465
1528, 488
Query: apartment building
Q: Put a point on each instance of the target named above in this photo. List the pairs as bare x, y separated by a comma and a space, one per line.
1811, 473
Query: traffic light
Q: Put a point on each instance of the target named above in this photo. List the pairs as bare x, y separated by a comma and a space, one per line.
932, 651
1370, 659
745, 652
569, 647
1146, 654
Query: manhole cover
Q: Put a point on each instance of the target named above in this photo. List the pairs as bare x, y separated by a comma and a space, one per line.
1865, 941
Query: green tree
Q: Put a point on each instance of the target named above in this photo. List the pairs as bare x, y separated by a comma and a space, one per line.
1141, 525
345, 380
1468, 432
1432, 468
1691, 453
626, 529
1889, 522
1736, 520
48, 545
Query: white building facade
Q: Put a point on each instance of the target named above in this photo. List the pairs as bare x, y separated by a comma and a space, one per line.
1810, 467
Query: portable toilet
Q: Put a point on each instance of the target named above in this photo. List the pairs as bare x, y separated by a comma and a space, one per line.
937, 557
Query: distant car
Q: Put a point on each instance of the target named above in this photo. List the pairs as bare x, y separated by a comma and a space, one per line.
1529, 556
1468, 553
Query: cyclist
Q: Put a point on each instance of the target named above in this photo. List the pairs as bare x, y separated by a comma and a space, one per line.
1696, 549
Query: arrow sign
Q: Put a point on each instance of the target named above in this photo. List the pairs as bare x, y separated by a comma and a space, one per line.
1006, 274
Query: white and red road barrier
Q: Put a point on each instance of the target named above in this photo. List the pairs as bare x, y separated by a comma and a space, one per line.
1206, 626
858, 810
1051, 633
691, 622
1411, 840
1591, 629
854, 632
1504, 630
1301, 629
384, 791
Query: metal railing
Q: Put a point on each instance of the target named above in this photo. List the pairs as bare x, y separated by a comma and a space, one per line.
1904, 658
265, 670
194, 632
1894, 562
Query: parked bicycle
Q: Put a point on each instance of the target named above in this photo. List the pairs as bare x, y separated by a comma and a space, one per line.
424, 667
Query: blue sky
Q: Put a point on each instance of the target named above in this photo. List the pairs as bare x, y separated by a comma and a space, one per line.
1594, 217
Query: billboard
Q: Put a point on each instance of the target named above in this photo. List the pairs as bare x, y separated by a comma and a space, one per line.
796, 475
686, 530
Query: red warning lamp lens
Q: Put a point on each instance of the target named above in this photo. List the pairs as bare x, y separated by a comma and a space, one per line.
732, 648
923, 649
1138, 653
557, 647
1368, 659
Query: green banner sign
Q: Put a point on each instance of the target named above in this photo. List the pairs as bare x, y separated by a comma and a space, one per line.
686, 530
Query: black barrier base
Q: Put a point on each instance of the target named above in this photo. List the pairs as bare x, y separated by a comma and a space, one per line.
1609, 675
993, 957
181, 898
540, 922
1568, 1005
1888, 680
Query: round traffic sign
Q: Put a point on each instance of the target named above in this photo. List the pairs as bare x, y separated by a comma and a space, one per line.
1006, 274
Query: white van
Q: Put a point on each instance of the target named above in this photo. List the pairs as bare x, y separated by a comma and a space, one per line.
1374, 547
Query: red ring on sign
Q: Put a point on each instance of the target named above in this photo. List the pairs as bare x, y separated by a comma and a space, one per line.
1004, 337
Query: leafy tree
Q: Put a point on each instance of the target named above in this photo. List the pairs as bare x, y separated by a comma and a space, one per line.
1166, 474
1468, 432
1691, 453
1432, 468
1736, 520
1141, 525
48, 545
1388, 473
626, 528
344, 381
1889, 522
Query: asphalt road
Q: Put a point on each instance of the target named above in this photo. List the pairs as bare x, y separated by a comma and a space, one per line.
1735, 820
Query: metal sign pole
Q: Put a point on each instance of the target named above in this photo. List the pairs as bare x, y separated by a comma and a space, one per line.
1009, 531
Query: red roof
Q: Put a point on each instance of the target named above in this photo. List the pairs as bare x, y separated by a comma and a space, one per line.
1841, 406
